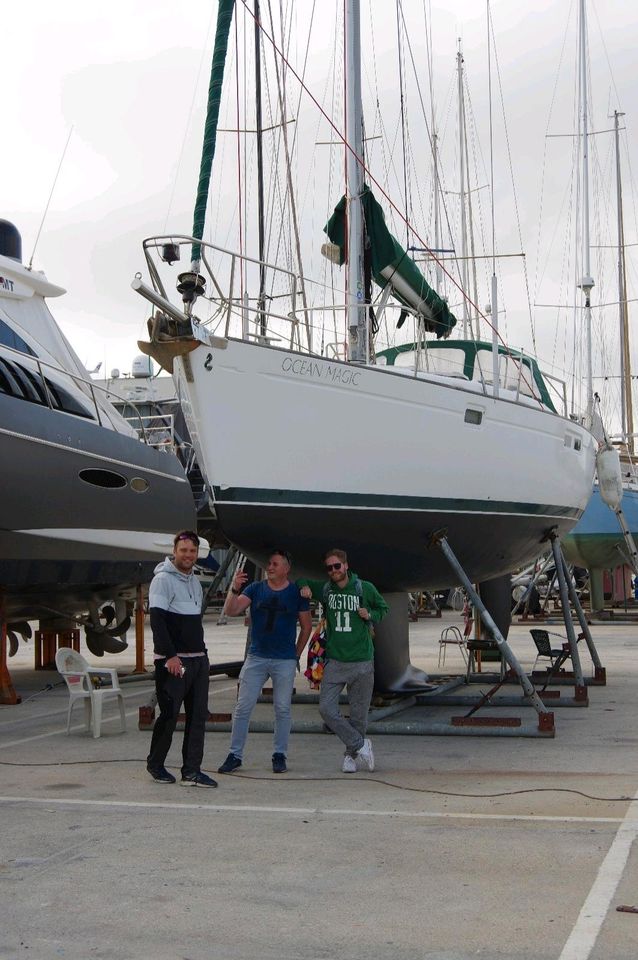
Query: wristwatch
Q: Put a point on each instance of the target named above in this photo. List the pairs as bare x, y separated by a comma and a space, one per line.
236, 592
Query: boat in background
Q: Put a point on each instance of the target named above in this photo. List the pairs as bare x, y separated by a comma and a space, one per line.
598, 541
87, 509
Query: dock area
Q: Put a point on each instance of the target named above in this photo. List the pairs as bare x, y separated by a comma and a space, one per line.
455, 847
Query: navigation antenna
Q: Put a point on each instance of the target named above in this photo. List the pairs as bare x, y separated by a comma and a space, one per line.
46, 209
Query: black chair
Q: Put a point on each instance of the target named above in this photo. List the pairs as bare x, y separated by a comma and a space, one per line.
556, 656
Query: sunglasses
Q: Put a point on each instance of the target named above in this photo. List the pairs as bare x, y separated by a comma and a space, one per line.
333, 566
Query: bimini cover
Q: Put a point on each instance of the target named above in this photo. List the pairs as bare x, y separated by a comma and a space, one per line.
391, 264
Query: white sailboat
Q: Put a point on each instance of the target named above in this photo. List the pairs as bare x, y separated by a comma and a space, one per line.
307, 448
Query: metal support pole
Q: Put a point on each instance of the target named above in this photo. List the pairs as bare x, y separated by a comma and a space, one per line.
580, 690
219, 576
139, 631
545, 717
599, 671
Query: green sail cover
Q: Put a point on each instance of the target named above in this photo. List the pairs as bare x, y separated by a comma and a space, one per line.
224, 17
387, 254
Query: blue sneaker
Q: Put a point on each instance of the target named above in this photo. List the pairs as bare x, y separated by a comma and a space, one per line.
198, 779
279, 763
230, 763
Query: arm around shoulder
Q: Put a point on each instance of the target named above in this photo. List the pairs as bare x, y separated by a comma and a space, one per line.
377, 606
315, 587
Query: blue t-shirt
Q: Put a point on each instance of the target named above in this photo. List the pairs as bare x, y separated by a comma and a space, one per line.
273, 615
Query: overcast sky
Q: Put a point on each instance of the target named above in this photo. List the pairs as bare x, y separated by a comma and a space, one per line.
124, 75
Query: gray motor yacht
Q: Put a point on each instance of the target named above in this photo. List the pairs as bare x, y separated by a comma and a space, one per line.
88, 507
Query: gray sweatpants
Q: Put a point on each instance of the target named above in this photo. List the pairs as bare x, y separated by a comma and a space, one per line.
359, 679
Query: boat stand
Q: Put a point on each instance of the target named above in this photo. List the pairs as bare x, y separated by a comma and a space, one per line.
568, 592
8, 695
530, 696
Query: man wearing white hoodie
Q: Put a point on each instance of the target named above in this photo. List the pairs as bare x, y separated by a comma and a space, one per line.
181, 663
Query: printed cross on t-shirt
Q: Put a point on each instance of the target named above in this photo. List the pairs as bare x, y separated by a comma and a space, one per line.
271, 608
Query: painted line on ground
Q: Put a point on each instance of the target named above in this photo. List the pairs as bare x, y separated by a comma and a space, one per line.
314, 812
582, 939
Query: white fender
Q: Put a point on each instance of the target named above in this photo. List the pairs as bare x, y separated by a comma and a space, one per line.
609, 476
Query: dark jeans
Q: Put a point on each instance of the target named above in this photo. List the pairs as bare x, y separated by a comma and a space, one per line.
192, 691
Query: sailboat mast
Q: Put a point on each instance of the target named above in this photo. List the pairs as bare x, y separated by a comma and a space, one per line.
464, 261
261, 302
625, 360
355, 289
586, 282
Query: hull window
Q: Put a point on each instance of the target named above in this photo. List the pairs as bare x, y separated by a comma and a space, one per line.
103, 478
12, 339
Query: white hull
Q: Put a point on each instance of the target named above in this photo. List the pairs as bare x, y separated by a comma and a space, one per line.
308, 453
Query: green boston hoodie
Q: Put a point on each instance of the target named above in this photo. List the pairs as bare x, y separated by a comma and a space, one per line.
348, 637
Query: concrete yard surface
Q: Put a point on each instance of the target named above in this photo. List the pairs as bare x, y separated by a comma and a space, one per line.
455, 847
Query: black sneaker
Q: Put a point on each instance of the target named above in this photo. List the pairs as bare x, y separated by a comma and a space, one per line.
230, 763
279, 763
198, 779
161, 775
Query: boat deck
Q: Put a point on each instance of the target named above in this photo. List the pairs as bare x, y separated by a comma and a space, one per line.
455, 847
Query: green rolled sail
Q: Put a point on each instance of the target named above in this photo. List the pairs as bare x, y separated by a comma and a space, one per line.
387, 255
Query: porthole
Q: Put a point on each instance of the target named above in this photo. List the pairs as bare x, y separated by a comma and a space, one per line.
139, 484
103, 478
473, 416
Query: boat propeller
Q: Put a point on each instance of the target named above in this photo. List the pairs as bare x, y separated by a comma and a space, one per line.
100, 637
104, 639
13, 629
13, 643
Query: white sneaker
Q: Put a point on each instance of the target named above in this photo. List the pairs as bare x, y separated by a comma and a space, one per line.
349, 764
365, 757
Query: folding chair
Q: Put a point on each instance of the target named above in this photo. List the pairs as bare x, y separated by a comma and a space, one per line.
451, 635
544, 648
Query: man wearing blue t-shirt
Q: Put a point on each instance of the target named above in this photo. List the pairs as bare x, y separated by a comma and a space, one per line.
275, 607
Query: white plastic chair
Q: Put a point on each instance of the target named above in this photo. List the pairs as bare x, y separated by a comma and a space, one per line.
78, 675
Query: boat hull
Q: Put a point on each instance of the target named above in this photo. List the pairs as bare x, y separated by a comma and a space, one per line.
66, 542
596, 542
310, 454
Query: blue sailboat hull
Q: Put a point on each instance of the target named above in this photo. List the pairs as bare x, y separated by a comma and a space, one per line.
596, 542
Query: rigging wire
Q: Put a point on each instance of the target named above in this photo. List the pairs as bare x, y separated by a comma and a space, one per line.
46, 209
513, 181
374, 180
189, 119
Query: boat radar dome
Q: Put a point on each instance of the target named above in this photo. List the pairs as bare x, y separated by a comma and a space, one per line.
10, 241
142, 366
115, 373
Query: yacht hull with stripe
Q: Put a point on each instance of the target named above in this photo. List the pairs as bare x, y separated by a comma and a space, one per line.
87, 509
307, 453
65, 541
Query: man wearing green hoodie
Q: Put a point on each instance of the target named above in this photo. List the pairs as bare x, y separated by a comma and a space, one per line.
351, 606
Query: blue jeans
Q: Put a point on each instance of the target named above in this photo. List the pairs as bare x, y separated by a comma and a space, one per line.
254, 674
